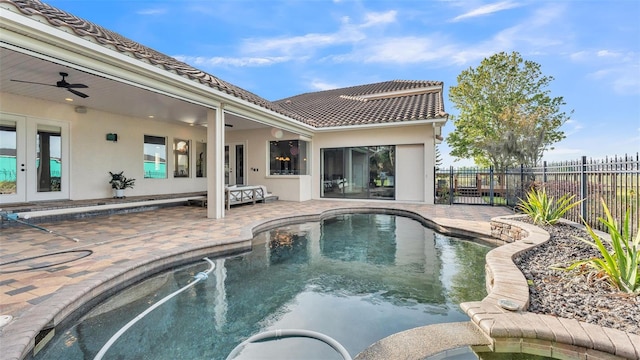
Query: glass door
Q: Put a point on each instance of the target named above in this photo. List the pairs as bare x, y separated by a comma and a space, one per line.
12, 160
234, 164
366, 172
34, 159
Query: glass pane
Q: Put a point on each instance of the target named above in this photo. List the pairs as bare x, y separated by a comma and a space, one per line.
288, 157
239, 164
8, 151
181, 158
48, 157
201, 163
334, 182
155, 157
226, 164
359, 172
382, 172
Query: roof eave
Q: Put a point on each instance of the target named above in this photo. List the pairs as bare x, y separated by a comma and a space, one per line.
439, 120
30, 36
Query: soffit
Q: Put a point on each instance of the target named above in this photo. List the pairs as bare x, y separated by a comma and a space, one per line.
104, 94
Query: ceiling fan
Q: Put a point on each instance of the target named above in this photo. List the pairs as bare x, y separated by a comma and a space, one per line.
62, 84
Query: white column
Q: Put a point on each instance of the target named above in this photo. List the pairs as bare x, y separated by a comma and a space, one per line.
215, 163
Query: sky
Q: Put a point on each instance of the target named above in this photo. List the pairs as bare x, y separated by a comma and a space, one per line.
278, 49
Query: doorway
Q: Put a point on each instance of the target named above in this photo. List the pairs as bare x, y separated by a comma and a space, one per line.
234, 160
34, 159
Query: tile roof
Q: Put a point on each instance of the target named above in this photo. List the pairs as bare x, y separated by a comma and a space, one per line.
385, 102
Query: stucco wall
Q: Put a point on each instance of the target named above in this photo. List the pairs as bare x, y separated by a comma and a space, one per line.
301, 188
92, 156
286, 187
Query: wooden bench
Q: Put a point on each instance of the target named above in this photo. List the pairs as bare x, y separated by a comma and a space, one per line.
243, 194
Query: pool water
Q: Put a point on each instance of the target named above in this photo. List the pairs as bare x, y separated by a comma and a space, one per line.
356, 278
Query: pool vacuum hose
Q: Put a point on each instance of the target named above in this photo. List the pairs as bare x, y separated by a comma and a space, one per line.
287, 333
199, 276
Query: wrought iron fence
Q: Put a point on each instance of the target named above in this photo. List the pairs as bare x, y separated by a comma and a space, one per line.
616, 181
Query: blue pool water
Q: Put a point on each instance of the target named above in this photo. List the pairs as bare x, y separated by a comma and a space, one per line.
356, 278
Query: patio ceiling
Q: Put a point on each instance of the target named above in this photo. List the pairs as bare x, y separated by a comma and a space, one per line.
104, 94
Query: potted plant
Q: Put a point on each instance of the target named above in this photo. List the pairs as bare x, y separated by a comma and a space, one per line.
120, 182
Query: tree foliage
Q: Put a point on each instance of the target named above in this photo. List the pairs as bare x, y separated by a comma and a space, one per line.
506, 115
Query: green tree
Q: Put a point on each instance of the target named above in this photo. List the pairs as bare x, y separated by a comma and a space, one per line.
506, 115
438, 157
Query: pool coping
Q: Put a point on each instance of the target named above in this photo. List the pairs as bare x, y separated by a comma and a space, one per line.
520, 330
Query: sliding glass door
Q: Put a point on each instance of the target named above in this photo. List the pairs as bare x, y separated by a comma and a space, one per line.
366, 172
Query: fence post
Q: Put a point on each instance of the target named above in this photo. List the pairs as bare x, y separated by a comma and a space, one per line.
451, 185
521, 181
544, 172
583, 188
490, 185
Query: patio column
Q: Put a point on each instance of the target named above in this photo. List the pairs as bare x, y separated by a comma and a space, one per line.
215, 162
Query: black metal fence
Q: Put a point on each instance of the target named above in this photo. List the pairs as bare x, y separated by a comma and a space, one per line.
616, 181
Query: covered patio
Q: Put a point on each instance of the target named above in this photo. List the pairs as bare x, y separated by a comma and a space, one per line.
113, 94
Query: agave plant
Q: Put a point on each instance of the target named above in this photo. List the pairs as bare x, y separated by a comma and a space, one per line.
621, 264
544, 210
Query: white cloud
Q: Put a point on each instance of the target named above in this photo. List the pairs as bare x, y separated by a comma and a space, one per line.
622, 77
198, 61
156, 11
487, 10
373, 19
319, 85
299, 44
348, 33
572, 126
579, 56
607, 53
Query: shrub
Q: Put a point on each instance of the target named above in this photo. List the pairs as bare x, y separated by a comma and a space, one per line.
620, 265
542, 209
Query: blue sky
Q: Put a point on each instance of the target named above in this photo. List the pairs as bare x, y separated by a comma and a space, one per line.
278, 49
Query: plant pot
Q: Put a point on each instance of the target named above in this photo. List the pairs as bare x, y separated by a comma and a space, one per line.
119, 193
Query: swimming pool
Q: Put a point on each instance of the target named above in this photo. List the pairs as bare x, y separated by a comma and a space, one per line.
356, 278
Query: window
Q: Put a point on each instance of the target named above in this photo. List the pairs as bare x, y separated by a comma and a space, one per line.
48, 158
366, 172
155, 157
288, 157
180, 158
201, 161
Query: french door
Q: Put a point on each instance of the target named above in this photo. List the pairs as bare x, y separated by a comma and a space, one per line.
234, 164
34, 159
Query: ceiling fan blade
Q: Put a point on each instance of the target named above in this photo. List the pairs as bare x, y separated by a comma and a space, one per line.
82, 95
76, 86
32, 82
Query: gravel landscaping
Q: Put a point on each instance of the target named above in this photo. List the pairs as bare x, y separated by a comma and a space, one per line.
571, 294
